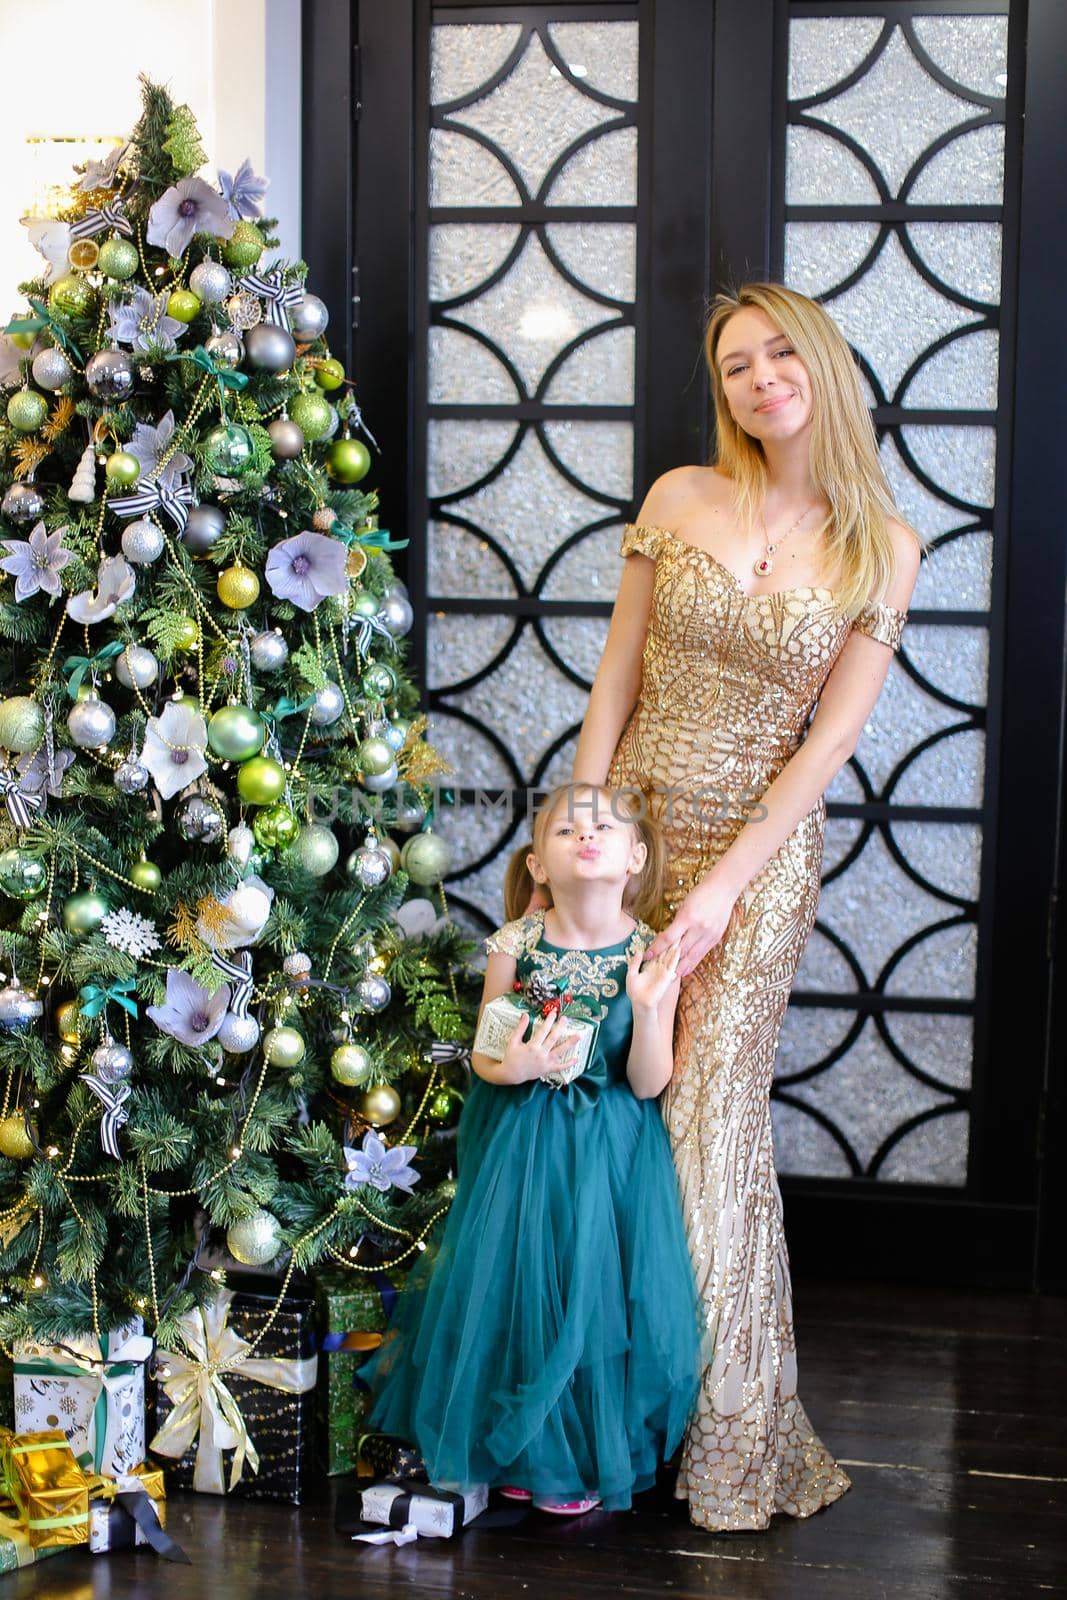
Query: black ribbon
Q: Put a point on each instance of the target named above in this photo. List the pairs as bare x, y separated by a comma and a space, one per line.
138, 1505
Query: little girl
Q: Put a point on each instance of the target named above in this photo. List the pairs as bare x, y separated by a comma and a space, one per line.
552, 1348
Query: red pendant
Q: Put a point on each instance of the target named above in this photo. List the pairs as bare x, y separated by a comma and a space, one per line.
763, 567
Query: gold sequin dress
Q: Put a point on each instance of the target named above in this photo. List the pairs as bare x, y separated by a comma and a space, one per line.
729, 681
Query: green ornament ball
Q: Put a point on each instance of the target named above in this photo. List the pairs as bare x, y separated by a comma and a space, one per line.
236, 733
378, 681
426, 858
350, 1065
244, 246
275, 827
254, 1240
228, 449
71, 296
312, 415
375, 756
122, 469
315, 849
22, 876
261, 781
445, 1106
117, 259
146, 875
84, 912
329, 374
364, 603
21, 724
347, 460
186, 634
283, 1047
26, 410
183, 304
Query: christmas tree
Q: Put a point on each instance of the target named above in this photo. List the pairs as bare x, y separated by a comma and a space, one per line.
222, 976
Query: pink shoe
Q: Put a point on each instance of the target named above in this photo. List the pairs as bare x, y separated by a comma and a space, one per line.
568, 1508
510, 1492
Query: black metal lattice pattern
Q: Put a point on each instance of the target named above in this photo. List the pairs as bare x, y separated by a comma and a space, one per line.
892, 210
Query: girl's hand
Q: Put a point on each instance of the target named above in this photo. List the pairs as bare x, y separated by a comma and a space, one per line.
699, 924
546, 1050
647, 985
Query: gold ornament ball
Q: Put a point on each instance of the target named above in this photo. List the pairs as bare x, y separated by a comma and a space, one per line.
350, 1064
67, 1021
238, 588
255, 1240
283, 1047
15, 1142
380, 1105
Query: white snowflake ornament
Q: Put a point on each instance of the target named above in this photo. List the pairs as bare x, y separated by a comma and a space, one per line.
131, 933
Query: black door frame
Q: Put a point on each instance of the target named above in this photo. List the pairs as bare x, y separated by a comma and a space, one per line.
359, 77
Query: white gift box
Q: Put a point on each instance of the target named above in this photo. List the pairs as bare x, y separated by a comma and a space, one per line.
501, 1017
432, 1511
91, 1388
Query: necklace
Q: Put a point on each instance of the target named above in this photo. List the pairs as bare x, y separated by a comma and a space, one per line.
764, 566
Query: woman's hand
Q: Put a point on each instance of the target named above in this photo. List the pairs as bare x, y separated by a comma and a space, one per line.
699, 924
546, 1050
647, 985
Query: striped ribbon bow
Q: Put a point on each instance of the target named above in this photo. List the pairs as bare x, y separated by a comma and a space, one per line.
365, 628
112, 1097
21, 806
95, 222
151, 495
239, 973
450, 1053
355, 419
278, 294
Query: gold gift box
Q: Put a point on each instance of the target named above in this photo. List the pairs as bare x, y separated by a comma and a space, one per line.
49, 1489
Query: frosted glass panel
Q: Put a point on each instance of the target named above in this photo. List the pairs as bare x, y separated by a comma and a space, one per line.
599, 372
975, 55
602, 173
823, 51
602, 256
602, 54
820, 170
463, 56
465, 173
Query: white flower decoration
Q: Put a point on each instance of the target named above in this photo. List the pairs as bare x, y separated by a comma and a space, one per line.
174, 746
379, 1166
115, 582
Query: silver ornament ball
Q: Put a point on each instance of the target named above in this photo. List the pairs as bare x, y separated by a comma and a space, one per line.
372, 993
255, 1240
309, 318
200, 821
328, 706
211, 281
91, 723
204, 527
394, 736
269, 348
378, 782
410, 813
51, 370
238, 1034
136, 667
286, 439
109, 375
22, 502
369, 865
142, 542
397, 614
112, 1061
18, 1006
269, 651
131, 777
225, 349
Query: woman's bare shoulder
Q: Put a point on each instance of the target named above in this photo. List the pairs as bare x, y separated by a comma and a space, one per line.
677, 492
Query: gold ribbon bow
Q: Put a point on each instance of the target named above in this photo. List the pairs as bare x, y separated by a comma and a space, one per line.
204, 1409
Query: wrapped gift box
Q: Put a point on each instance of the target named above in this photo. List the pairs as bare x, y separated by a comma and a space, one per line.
434, 1511
93, 1389
354, 1311
112, 1525
266, 1401
15, 1547
501, 1017
47, 1487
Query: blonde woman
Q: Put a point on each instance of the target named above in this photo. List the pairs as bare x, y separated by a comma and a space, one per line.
757, 591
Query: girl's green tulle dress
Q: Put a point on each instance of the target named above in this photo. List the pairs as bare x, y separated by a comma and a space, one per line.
553, 1341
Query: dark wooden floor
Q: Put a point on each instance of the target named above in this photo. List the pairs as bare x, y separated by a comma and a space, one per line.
948, 1408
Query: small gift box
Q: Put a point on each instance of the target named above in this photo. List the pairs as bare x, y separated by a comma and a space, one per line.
240, 1388
501, 1017
129, 1511
407, 1510
15, 1547
91, 1388
47, 1487
353, 1314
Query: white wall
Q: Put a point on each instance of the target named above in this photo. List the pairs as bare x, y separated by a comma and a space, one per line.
70, 80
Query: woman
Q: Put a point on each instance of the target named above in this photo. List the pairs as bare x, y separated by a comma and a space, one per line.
775, 579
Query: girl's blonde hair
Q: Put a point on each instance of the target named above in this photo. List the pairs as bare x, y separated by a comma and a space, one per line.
844, 450
643, 894
519, 884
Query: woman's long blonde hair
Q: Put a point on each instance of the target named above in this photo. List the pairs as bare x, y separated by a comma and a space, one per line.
844, 450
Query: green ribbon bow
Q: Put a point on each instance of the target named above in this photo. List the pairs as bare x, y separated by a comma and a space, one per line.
44, 320
94, 999
288, 707
225, 377
374, 539
78, 666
